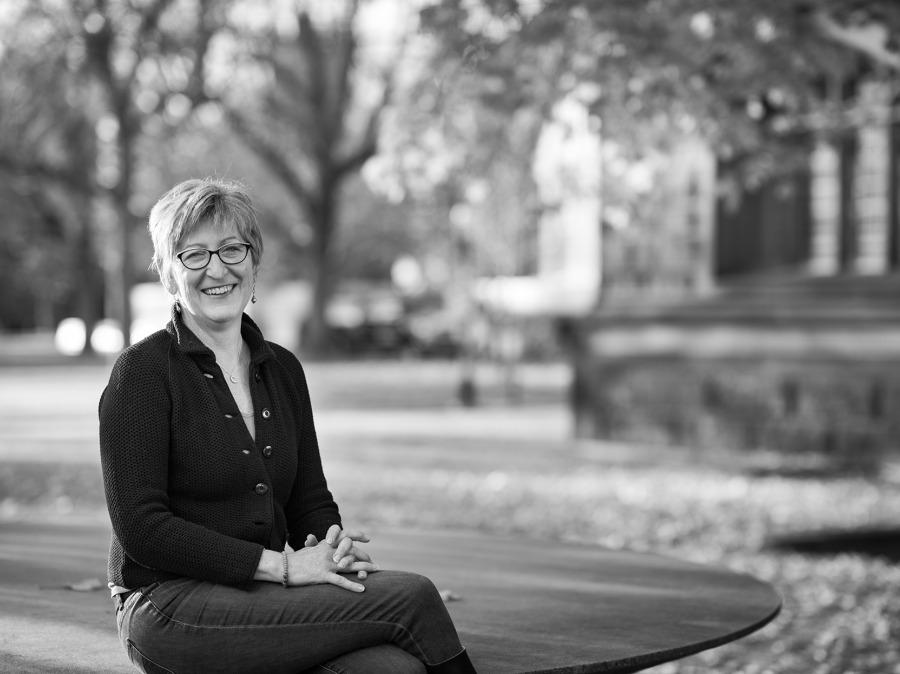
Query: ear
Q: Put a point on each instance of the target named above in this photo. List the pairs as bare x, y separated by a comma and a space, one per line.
169, 284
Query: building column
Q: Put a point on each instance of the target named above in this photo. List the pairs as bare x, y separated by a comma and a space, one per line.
825, 195
695, 176
871, 181
894, 190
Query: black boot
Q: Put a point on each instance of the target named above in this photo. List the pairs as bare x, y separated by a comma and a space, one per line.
459, 664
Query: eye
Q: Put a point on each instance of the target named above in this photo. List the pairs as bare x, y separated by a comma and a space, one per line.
232, 251
194, 256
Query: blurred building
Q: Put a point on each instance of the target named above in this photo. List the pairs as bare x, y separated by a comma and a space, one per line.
668, 254
764, 318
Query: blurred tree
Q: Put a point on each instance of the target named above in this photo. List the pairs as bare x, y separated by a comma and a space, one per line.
147, 59
132, 66
755, 79
311, 108
749, 77
373, 233
462, 138
46, 140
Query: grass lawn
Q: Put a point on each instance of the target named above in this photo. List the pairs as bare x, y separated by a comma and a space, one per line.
399, 451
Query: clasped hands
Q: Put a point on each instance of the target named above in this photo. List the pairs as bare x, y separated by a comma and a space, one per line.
325, 561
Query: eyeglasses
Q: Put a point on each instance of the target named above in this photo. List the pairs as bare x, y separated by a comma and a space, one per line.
198, 258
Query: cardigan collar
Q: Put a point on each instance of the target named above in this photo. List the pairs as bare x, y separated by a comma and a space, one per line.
187, 342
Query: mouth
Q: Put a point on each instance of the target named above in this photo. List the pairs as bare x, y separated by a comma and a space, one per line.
218, 290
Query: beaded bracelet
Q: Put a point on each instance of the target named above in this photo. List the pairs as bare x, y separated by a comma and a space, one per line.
284, 576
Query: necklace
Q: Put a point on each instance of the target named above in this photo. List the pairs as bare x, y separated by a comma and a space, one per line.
228, 372
231, 371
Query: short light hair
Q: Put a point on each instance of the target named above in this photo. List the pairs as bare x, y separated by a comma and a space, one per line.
181, 210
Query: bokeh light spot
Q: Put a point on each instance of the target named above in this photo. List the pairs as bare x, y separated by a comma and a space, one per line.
70, 336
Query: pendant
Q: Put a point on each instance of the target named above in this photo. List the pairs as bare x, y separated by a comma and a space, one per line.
232, 378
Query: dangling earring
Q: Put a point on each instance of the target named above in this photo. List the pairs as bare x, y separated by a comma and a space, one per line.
177, 304
253, 296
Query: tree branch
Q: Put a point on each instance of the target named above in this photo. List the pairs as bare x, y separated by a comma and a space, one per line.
274, 160
150, 18
310, 43
858, 39
347, 46
369, 144
287, 73
209, 24
290, 99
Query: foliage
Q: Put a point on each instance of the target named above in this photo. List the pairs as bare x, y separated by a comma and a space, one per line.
121, 68
455, 117
154, 86
752, 78
46, 140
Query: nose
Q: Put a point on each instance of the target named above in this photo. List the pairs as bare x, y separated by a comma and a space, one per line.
216, 268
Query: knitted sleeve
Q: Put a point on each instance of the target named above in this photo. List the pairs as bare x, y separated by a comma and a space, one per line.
135, 413
310, 509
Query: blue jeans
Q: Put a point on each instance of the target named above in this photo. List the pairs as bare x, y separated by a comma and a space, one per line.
188, 626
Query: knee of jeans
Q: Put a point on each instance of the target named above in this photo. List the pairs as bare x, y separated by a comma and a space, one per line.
421, 590
410, 665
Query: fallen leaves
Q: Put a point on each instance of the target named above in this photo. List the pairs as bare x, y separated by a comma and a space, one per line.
449, 595
839, 612
86, 585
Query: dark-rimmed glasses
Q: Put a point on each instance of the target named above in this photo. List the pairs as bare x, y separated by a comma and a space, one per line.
198, 258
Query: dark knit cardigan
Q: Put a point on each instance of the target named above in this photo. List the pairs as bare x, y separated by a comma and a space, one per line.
189, 491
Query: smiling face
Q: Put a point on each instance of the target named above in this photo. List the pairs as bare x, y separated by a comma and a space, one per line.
213, 297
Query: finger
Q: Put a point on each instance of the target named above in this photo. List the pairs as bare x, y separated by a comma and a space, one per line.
346, 561
355, 535
359, 553
342, 549
362, 575
346, 583
333, 532
311, 541
356, 567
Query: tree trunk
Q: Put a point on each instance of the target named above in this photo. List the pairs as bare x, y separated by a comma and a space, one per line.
317, 340
121, 195
90, 289
125, 272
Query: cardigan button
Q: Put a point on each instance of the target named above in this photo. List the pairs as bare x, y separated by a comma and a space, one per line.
267, 451
262, 489
266, 413
257, 377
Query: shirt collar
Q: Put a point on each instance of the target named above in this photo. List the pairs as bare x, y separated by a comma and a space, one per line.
187, 342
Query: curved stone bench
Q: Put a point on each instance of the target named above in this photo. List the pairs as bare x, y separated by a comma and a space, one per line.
529, 607
525, 607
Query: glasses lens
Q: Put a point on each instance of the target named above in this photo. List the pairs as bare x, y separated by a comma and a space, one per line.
233, 252
194, 259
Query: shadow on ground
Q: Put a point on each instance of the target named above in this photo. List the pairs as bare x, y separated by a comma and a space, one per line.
883, 543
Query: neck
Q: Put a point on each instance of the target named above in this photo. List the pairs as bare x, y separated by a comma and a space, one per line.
224, 340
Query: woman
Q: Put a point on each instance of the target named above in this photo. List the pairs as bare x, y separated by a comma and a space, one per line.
211, 465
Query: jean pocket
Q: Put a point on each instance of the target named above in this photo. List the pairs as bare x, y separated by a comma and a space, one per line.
142, 662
